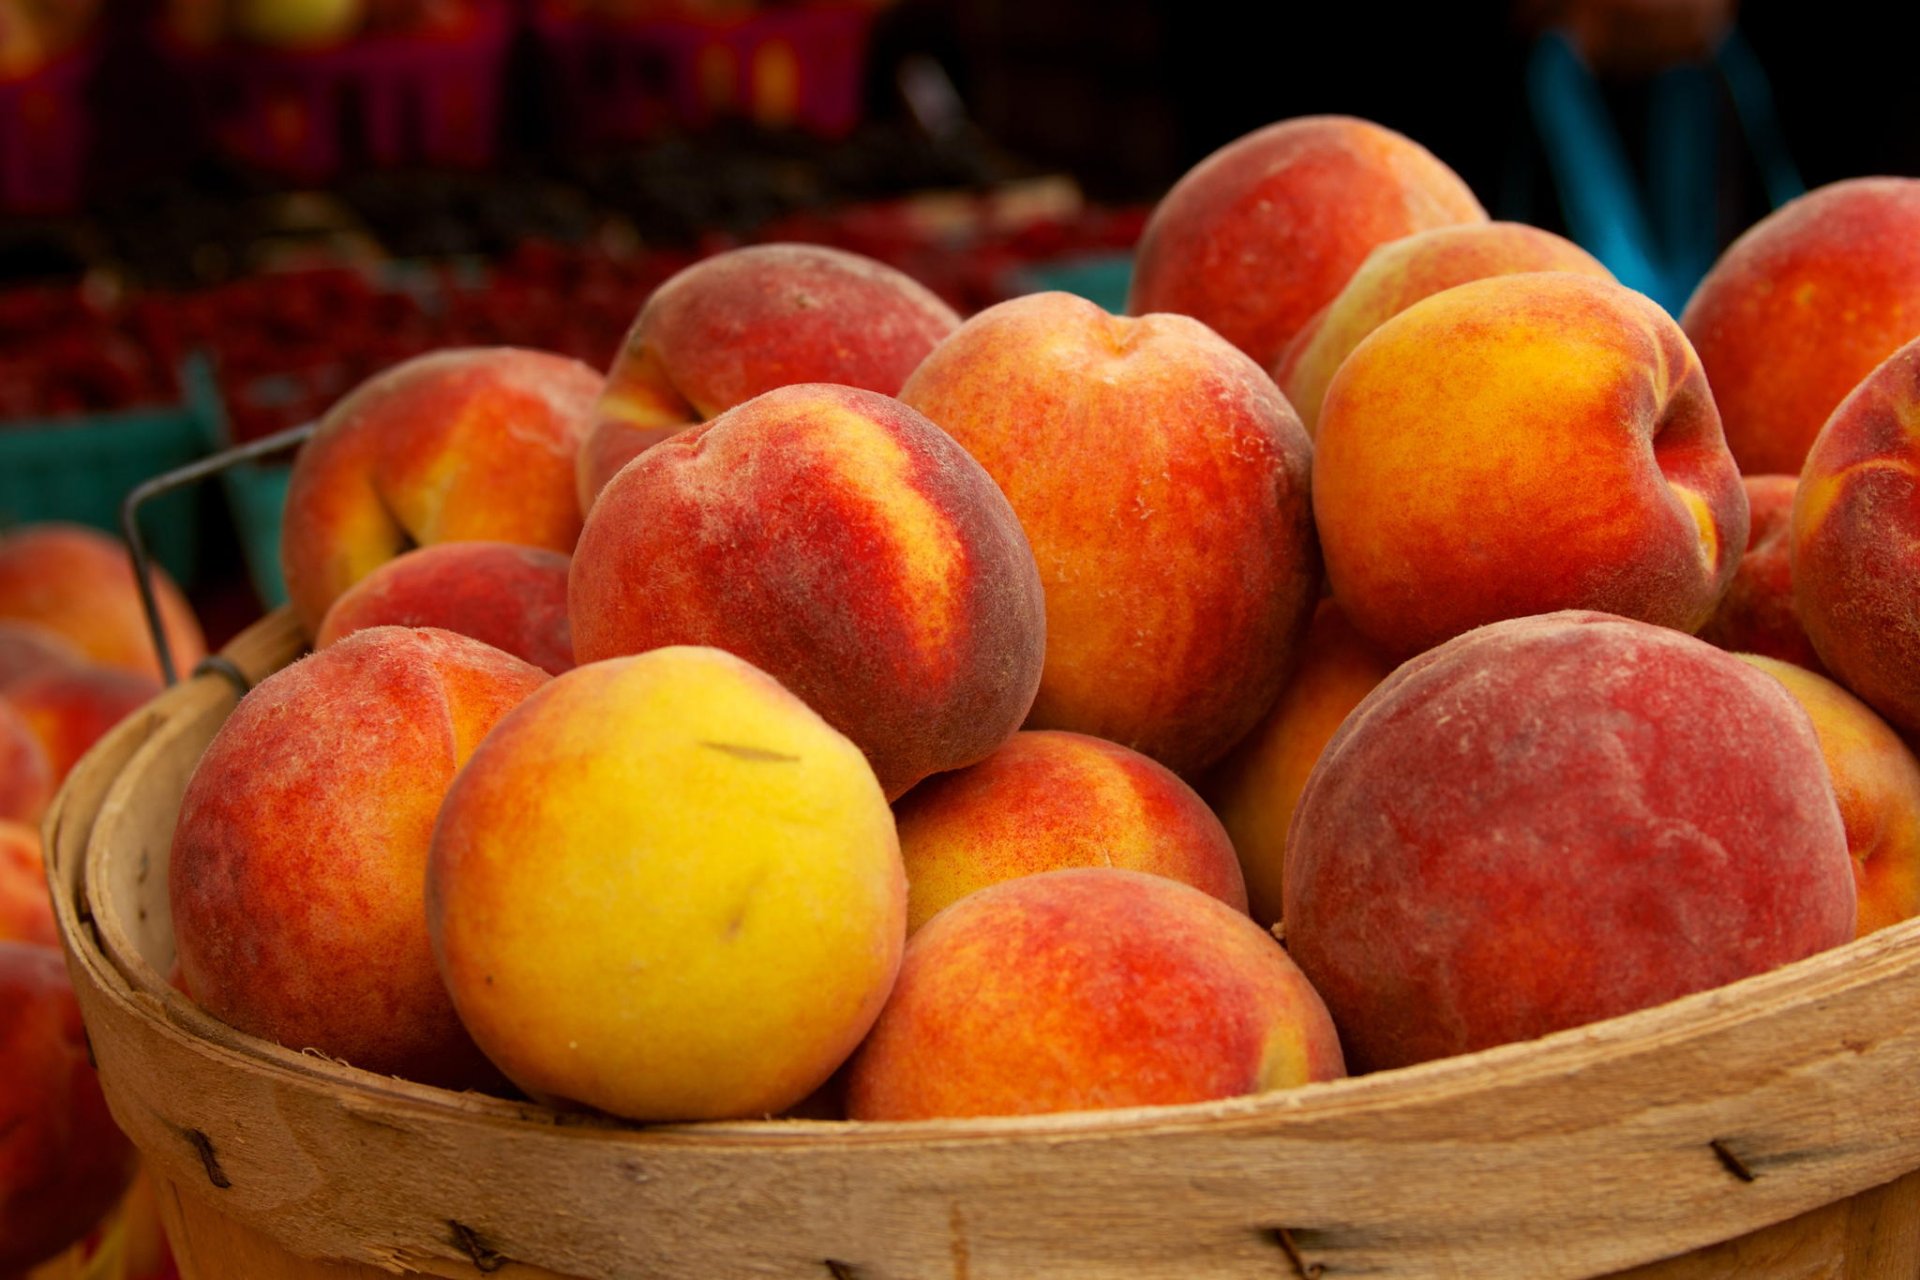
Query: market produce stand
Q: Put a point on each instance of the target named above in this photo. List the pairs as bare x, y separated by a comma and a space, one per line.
1768, 1130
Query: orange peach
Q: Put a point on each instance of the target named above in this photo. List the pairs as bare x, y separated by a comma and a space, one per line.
1050, 799
27, 648
1254, 790
63, 1162
1552, 820
78, 583
26, 908
26, 775
666, 888
1876, 779
1856, 541
842, 543
299, 858
1162, 479
1517, 445
1801, 307
473, 444
1088, 988
68, 709
1264, 232
748, 320
512, 597
1756, 614
1401, 272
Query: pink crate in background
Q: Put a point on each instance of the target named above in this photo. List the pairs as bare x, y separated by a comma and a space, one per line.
44, 130
797, 66
381, 100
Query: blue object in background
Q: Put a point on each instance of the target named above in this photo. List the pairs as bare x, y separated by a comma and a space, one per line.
1659, 237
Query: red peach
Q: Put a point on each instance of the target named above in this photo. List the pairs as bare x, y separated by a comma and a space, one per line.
68, 709
78, 583
743, 322
840, 542
1048, 799
1756, 614
474, 444
1088, 988
27, 648
1801, 307
26, 908
512, 597
26, 776
1856, 541
1517, 445
299, 859
1265, 231
1553, 820
1162, 479
63, 1162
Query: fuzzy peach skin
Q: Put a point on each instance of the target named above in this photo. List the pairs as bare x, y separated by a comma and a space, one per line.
842, 543
27, 648
1756, 615
67, 710
1254, 790
464, 445
512, 597
1088, 988
26, 908
1876, 779
666, 888
26, 775
78, 583
1855, 533
1264, 232
745, 321
1552, 820
1050, 799
299, 859
1398, 274
1162, 479
1517, 445
63, 1162
1803, 306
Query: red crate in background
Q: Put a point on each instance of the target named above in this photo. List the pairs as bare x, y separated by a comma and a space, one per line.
44, 130
384, 100
797, 66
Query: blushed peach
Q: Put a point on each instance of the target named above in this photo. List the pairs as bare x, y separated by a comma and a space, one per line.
1756, 615
78, 583
26, 776
68, 709
26, 908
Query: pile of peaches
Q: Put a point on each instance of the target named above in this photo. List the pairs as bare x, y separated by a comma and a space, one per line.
1393, 639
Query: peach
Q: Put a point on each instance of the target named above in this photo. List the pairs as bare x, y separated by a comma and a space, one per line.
1517, 445
1162, 479
26, 775
299, 858
1855, 533
27, 648
1398, 274
512, 597
68, 709
700, 914
78, 583
1088, 988
1254, 790
1552, 820
1049, 799
26, 908
745, 321
1264, 232
842, 543
1801, 307
464, 445
63, 1162
1876, 779
1756, 614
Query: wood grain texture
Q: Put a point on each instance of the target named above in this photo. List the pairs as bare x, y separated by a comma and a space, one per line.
1584, 1154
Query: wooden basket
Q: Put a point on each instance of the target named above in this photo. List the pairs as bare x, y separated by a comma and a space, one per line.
1768, 1130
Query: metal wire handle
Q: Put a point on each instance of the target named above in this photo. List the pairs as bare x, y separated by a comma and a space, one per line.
179, 478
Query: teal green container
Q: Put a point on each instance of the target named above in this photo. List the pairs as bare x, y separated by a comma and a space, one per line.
81, 469
1098, 277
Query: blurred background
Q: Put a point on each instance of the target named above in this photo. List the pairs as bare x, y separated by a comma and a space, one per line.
216, 216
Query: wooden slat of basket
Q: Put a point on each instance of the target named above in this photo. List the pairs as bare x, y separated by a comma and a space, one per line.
1573, 1156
